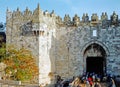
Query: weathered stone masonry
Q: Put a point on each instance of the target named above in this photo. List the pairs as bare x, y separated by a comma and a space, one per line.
61, 46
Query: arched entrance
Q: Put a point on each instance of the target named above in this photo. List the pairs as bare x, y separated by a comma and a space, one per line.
95, 56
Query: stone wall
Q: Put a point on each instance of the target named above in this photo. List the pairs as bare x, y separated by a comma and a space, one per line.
58, 45
73, 42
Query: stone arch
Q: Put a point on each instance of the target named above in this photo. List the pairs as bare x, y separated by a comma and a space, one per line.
102, 46
96, 42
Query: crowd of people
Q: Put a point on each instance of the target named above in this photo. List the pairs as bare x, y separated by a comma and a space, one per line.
86, 80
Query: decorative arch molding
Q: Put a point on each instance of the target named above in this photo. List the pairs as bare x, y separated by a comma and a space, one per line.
104, 49
96, 42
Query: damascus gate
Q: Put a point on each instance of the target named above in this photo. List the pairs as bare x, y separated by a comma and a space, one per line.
67, 46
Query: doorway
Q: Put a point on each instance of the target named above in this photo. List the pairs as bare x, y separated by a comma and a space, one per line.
95, 64
95, 59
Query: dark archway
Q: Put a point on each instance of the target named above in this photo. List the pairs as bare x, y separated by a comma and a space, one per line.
95, 59
95, 64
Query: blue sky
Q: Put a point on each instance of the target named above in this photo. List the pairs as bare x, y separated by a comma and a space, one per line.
62, 7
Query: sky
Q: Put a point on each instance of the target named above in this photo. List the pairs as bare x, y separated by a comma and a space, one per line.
62, 7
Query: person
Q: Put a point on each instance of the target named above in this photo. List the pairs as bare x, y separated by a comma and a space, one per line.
65, 83
97, 84
93, 77
58, 81
87, 83
113, 83
90, 81
76, 82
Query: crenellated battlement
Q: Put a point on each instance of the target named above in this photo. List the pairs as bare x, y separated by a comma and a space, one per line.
29, 22
95, 20
38, 16
27, 15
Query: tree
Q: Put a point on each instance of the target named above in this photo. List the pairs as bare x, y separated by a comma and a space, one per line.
2, 51
2, 45
20, 64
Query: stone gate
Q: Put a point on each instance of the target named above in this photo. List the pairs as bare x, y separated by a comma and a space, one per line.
66, 47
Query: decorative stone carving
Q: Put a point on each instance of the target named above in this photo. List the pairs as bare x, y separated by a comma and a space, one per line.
114, 19
37, 11
27, 12
85, 18
104, 16
17, 13
59, 20
94, 18
93, 52
105, 21
67, 20
9, 14
76, 20
52, 14
46, 13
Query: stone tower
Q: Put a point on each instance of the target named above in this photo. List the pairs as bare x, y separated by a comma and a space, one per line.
34, 31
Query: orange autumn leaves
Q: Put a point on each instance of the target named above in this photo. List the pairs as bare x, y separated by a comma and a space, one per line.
20, 64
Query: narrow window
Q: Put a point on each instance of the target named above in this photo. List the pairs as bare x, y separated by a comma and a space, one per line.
94, 33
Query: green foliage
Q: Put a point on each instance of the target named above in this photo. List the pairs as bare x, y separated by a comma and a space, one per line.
2, 51
20, 64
